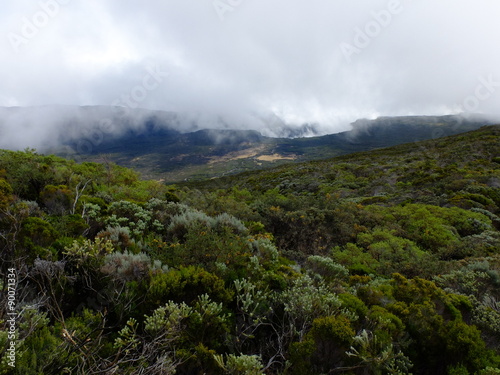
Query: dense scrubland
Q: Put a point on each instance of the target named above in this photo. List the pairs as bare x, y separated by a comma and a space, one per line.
382, 262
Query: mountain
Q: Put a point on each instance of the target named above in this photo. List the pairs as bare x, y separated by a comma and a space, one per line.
160, 152
193, 146
454, 169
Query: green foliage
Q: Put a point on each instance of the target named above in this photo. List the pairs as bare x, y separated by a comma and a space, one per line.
434, 320
336, 329
357, 260
251, 300
353, 304
240, 364
129, 267
186, 284
41, 348
5, 193
304, 301
57, 199
326, 268
435, 228
86, 252
206, 247
377, 357
489, 371
168, 320
301, 357
383, 262
170, 196
28, 172
265, 249
36, 236
132, 216
386, 326
323, 347
457, 370
464, 345
119, 237
393, 253
208, 324
42, 353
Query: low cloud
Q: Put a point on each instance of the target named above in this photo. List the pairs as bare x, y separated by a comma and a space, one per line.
285, 59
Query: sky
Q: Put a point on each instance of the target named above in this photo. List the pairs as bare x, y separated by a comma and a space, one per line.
327, 62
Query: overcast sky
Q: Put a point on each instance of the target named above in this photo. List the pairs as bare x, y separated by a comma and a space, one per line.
325, 61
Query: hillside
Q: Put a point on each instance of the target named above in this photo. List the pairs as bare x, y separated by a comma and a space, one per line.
437, 164
158, 151
458, 171
378, 262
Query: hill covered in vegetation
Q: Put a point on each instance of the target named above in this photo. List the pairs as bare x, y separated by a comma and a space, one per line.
157, 149
380, 262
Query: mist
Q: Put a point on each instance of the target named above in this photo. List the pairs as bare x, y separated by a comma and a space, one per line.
242, 64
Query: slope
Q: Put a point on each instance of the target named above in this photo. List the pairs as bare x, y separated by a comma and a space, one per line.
159, 152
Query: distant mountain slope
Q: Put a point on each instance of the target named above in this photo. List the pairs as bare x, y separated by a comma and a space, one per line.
460, 170
173, 147
163, 153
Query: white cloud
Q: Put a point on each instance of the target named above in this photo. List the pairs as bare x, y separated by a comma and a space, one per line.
281, 55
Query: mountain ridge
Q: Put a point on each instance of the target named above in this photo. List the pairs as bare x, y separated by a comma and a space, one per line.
208, 153
177, 146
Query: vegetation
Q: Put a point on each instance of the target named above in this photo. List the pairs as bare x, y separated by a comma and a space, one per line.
158, 152
382, 262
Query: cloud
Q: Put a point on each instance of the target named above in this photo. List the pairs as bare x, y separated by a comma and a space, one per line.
260, 57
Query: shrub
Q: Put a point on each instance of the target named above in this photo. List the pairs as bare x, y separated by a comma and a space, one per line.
5, 193
377, 357
88, 252
225, 220
326, 268
304, 301
353, 304
240, 364
57, 199
186, 284
131, 215
118, 236
465, 346
181, 224
70, 225
336, 329
265, 249
129, 267
35, 237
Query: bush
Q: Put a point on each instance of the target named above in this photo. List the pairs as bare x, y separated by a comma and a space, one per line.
57, 199
118, 236
181, 224
225, 220
129, 267
353, 304
304, 301
327, 268
240, 364
35, 237
186, 284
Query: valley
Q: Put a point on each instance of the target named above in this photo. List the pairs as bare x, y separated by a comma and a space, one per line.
158, 151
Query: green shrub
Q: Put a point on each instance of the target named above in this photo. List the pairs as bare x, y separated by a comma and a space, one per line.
129, 267
186, 284
240, 364
327, 268
57, 200
35, 237
353, 304
336, 330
